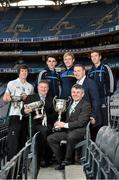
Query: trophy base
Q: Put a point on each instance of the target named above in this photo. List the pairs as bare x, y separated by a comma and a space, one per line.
38, 117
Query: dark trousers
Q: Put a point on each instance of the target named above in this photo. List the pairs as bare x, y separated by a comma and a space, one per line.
94, 130
104, 111
72, 138
44, 151
17, 135
14, 132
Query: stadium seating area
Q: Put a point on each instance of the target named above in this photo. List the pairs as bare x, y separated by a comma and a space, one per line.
47, 21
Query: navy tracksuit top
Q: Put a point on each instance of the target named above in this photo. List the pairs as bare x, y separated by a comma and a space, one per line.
67, 81
101, 76
54, 82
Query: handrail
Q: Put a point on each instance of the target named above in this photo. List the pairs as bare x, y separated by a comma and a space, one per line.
18, 166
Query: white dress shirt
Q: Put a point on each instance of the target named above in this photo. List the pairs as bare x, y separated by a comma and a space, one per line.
72, 108
44, 121
80, 82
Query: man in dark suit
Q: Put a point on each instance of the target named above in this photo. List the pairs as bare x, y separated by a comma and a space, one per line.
45, 127
74, 129
92, 96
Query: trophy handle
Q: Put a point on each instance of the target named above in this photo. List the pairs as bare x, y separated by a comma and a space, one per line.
54, 101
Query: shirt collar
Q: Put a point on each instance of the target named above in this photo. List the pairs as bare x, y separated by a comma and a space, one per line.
42, 97
75, 102
18, 79
81, 81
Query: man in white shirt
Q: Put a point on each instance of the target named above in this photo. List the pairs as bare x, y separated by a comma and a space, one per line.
21, 88
73, 129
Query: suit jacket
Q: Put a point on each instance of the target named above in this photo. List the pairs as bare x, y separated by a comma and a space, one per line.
51, 114
79, 116
92, 96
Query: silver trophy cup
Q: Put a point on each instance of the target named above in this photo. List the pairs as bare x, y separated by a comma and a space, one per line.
16, 101
60, 106
38, 107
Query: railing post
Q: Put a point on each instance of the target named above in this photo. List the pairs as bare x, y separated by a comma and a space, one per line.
30, 126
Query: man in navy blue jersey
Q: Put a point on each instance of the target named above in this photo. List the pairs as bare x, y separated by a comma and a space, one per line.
51, 76
66, 76
102, 74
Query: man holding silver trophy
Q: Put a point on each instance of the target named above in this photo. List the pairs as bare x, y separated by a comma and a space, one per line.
60, 106
40, 106
73, 129
16, 92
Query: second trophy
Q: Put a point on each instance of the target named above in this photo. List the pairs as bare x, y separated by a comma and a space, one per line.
60, 106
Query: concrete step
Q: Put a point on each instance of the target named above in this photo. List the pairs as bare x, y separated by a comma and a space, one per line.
50, 173
74, 172
71, 172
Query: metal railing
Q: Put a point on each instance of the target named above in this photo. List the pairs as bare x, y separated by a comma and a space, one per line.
3, 144
24, 164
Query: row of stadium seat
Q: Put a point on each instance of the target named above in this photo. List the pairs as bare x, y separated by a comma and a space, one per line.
46, 21
101, 160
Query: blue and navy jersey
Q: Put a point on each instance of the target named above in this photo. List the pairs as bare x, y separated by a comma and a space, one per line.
54, 81
67, 81
104, 78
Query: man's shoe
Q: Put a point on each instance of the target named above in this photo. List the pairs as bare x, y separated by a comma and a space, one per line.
43, 163
59, 167
66, 163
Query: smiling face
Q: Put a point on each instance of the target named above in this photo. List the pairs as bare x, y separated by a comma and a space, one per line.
43, 88
23, 73
79, 72
68, 59
96, 58
77, 94
51, 63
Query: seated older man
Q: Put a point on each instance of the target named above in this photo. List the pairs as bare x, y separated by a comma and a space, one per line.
73, 129
43, 125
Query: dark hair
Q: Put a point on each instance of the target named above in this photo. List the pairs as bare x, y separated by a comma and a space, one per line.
51, 56
44, 81
95, 51
80, 65
22, 66
78, 86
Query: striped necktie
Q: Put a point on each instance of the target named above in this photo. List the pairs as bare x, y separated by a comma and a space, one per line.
72, 107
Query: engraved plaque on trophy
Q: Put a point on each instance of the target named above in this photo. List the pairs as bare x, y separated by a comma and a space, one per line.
16, 101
